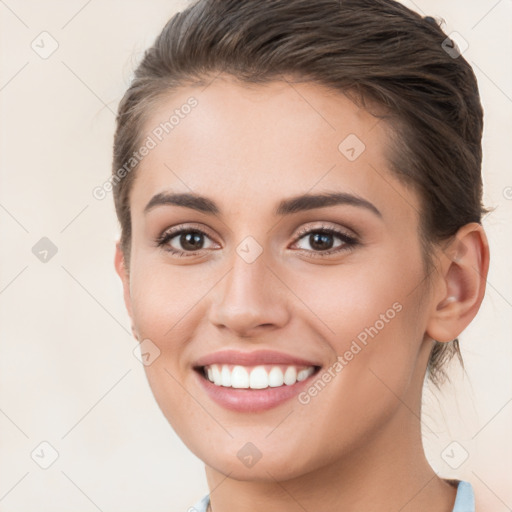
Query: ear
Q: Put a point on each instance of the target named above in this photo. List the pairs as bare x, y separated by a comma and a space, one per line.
463, 273
122, 271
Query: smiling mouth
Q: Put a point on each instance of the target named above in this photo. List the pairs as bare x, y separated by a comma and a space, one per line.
255, 377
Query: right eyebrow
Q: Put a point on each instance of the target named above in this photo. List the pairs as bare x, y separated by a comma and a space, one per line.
187, 200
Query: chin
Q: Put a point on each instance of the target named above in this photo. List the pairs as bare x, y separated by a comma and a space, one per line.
248, 463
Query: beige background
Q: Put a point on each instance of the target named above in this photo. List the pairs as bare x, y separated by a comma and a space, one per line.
67, 372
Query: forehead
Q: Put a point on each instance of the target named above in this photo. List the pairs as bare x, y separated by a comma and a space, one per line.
259, 141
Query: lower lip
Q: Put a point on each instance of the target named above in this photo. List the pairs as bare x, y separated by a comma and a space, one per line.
252, 400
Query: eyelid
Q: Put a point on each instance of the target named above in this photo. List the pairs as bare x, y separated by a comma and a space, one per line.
351, 239
161, 241
349, 233
302, 231
187, 226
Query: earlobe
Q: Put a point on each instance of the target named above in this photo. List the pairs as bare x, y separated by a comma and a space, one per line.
463, 271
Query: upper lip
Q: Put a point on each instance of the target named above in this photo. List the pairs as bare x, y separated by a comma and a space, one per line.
254, 358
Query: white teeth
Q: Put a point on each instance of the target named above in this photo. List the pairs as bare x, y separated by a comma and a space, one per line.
303, 374
275, 377
239, 377
225, 376
257, 377
290, 375
217, 379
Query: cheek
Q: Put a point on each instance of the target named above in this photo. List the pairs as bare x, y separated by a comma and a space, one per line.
371, 321
168, 305
371, 379
166, 302
373, 300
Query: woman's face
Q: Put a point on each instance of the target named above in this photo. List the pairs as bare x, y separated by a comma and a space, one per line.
270, 278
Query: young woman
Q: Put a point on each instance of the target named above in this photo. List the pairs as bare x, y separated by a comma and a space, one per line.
299, 189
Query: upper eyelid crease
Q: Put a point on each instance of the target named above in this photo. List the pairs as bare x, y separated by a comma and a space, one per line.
285, 207
349, 241
189, 227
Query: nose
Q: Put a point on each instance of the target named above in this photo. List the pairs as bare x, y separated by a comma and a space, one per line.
250, 300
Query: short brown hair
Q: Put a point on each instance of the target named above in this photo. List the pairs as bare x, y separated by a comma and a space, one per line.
378, 52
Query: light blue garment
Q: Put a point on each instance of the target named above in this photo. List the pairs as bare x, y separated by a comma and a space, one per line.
200, 506
464, 501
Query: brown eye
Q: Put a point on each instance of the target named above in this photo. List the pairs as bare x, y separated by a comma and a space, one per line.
191, 240
184, 241
321, 241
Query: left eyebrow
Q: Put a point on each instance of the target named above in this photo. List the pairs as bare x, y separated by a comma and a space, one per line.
285, 207
312, 201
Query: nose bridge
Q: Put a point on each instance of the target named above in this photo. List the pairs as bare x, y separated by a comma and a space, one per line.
250, 295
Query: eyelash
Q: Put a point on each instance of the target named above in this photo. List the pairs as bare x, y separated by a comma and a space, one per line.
349, 242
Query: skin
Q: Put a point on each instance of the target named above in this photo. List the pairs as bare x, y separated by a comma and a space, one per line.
357, 444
